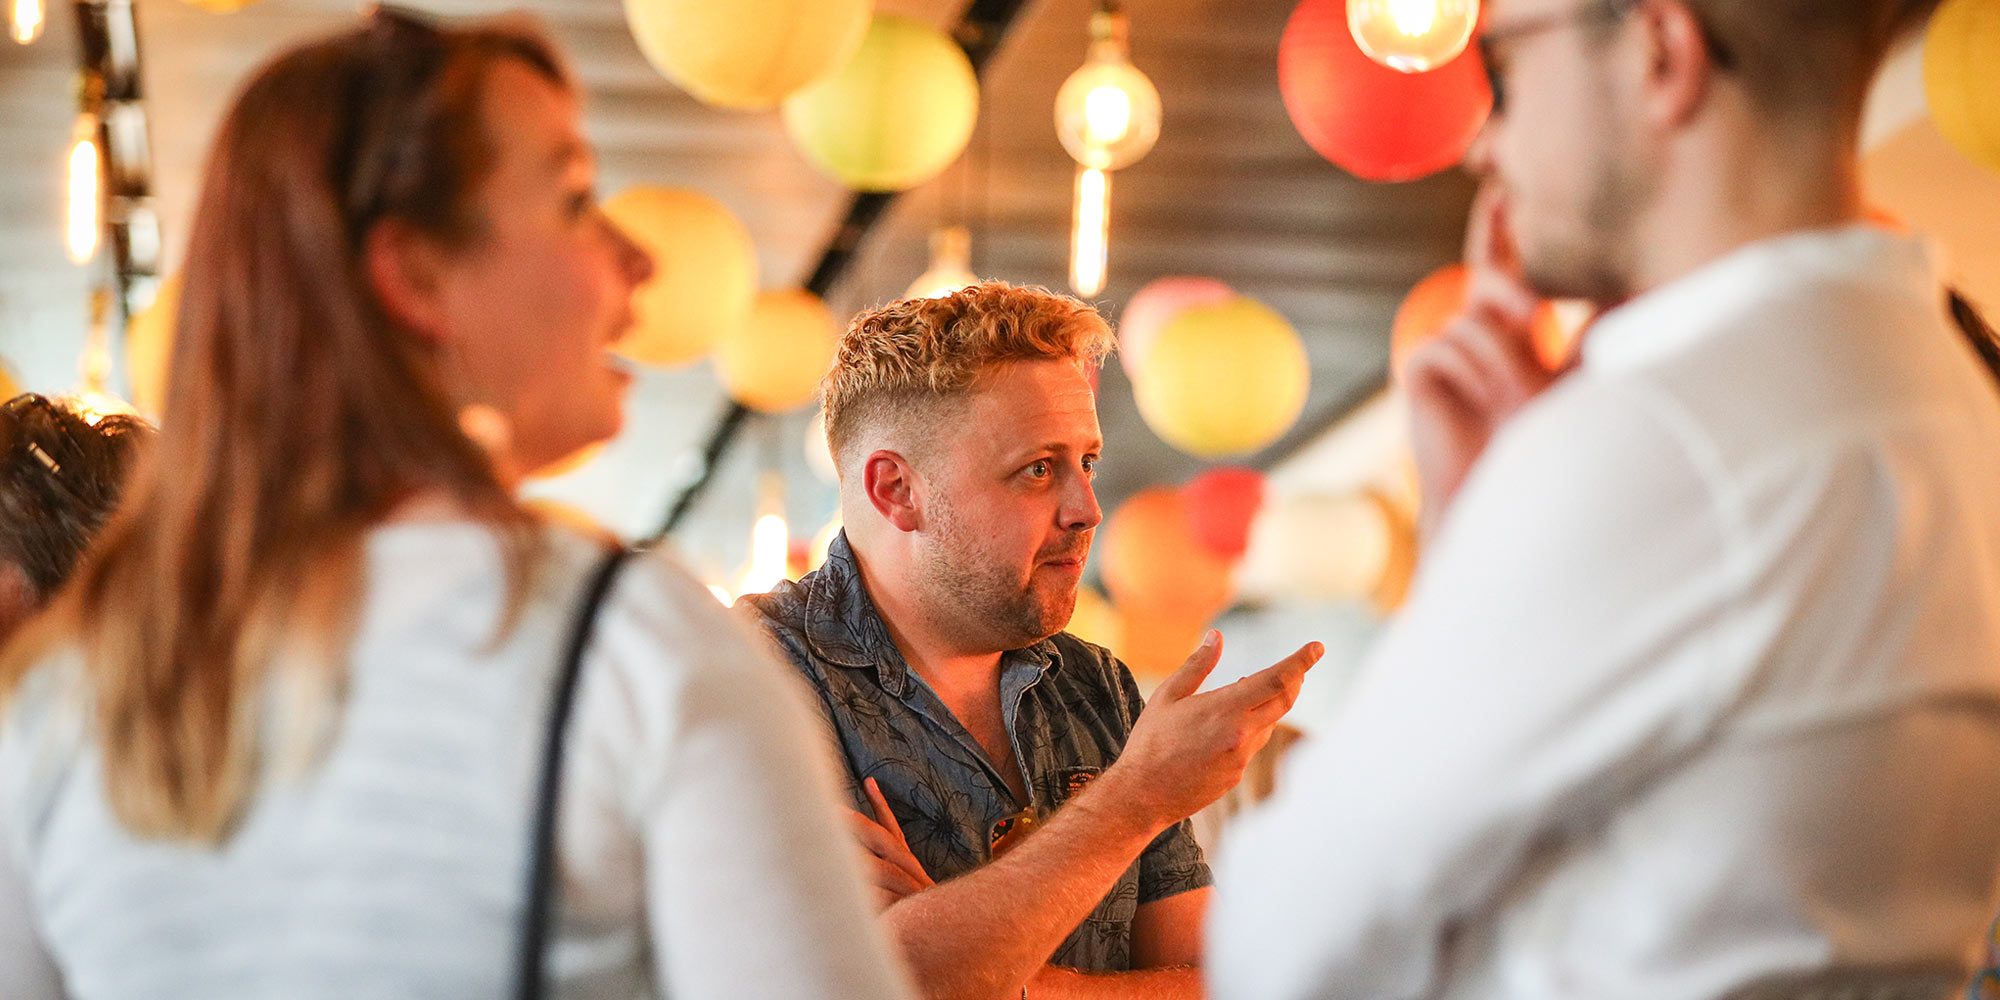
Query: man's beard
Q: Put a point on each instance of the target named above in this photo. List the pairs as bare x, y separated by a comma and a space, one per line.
983, 603
1596, 260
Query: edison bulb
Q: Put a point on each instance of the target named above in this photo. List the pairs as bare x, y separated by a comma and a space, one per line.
1108, 112
1412, 36
951, 265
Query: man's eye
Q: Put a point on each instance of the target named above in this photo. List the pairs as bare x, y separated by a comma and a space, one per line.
1090, 467
1040, 470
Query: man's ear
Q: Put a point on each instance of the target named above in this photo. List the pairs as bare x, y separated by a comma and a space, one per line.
406, 271
1680, 68
891, 485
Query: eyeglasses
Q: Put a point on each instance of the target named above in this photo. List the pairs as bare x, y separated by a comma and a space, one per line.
1600, 12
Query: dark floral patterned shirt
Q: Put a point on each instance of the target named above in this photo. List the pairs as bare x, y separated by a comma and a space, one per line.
1068, 706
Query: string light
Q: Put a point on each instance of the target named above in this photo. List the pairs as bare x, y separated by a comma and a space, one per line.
1108, 118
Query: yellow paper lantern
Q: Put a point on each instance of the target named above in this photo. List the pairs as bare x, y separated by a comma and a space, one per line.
774, 362
746, 53
149, 343
1154, 565
1096, 621
704, 273
895, 116
1960, 52
1224, 379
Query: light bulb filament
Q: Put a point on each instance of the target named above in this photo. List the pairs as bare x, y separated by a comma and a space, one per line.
29, 16
1414, 18
1107, 115
1090, 239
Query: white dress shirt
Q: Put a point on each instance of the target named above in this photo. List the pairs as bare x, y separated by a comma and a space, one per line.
1699, 684
702, 851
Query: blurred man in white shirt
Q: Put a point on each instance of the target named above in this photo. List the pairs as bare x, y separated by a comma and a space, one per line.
1698, 691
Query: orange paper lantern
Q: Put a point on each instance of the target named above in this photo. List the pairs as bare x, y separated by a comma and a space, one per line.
1155, 566
1439, 298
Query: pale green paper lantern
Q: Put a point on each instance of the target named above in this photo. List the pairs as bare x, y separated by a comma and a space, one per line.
895, 116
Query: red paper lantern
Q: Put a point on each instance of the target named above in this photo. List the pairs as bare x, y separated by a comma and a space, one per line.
1372, 121
1221, 504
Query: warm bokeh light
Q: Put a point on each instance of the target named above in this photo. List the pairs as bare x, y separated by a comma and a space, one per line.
86, 193
29, 17
770, 548
951, 265
1412, 36
1090, 240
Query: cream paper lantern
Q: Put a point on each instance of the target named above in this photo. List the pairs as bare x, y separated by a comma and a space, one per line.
1329, 548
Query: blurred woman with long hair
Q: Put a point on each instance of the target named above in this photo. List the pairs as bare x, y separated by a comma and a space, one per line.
279, 735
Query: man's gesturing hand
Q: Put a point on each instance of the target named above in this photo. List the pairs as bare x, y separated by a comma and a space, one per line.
1188, 749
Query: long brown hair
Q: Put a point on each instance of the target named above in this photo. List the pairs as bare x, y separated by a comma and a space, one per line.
297, 414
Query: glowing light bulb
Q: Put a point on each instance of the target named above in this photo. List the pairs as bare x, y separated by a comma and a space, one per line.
86, 192
1090, 236
1108, 112
951, 265
1414, 18
770, 540
1412, 36
770, 546
1107, 115
28, 18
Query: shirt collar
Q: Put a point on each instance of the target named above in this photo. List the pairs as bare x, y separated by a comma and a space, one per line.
844, 628
1684, 313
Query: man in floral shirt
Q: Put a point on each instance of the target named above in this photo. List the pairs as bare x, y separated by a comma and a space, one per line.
1024, 811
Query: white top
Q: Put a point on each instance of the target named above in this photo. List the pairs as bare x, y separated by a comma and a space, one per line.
1699, 684
701, 851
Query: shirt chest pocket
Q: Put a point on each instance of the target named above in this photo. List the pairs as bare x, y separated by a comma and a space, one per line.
1103, 942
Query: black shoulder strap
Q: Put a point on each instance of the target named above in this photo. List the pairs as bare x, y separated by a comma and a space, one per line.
529, 973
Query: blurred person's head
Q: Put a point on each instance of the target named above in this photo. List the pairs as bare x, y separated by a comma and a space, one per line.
60, 478
965, 432
1636, 139
397, 232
